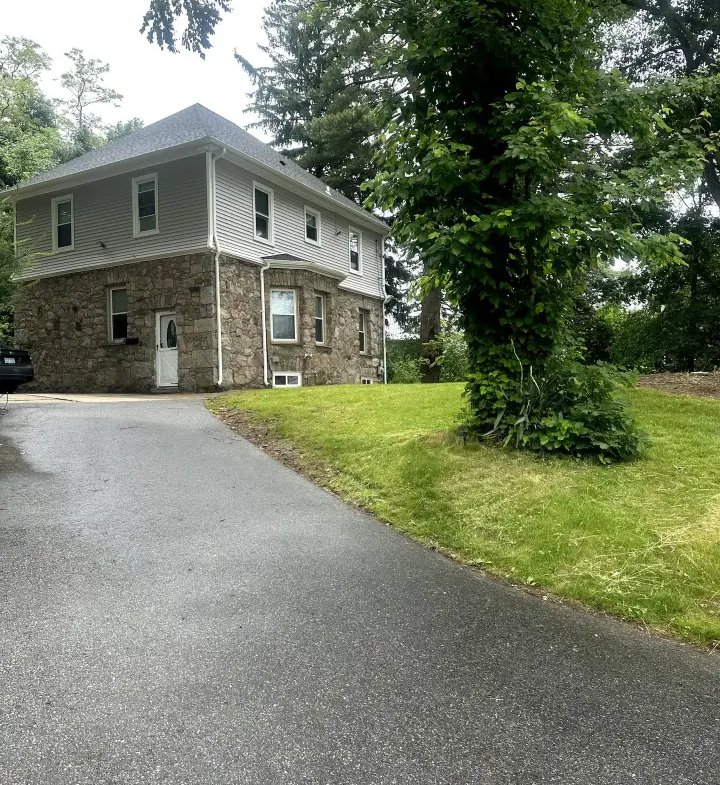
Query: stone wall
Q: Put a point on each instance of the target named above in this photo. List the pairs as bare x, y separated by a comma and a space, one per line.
63, 321
337, 362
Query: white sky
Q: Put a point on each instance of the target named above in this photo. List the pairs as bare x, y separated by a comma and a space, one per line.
154, 83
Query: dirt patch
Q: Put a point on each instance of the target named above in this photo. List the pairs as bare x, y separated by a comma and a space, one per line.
701, 385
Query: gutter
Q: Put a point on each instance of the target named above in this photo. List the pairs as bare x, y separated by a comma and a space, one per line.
265, 266
385, 300
213, 242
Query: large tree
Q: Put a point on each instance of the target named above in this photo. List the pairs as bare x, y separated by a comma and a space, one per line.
511, 185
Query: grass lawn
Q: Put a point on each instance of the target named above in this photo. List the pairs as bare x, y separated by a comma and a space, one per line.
639, 540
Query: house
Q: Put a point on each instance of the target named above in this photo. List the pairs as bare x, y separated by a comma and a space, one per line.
191, 256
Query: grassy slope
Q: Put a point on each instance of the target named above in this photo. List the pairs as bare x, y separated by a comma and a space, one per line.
639, 540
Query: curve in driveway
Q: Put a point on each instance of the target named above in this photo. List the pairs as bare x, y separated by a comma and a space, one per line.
179, 608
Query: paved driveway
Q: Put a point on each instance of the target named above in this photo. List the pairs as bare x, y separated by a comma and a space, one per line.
175, 607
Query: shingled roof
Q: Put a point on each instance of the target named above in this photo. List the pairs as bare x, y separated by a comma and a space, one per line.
193, 124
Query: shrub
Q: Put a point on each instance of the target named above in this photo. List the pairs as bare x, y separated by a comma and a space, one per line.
572, 409
404, 371
454, 356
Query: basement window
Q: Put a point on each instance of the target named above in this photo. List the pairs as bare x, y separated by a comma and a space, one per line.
287, 379
366, 380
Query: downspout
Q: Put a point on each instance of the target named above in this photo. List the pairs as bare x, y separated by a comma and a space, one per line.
264, 267
385, 299
213, 241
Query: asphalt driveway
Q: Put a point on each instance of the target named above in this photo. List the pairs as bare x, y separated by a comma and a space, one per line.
176, 607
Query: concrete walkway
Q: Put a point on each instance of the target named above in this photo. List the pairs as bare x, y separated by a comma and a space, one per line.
176, 607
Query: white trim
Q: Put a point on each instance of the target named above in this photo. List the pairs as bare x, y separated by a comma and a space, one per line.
364, 314
271, 218
318, 218
29, 266
286, 374
111, 313
136, 183
273, 339
53, 206
311, 267
382, 309
352, 230
323, 318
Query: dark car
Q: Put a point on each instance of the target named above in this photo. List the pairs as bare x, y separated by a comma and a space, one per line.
16, 368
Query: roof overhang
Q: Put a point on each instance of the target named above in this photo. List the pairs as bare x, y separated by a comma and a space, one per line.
290, 262
208, 143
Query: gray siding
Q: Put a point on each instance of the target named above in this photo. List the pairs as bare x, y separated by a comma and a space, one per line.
235, 221
103, 213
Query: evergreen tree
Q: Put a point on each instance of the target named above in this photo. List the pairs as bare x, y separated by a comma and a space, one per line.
324, 102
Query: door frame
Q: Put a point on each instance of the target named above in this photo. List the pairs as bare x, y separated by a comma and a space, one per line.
158, 315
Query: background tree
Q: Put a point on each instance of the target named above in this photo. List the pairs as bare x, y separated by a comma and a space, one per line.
324, 99
85, 84
201, 18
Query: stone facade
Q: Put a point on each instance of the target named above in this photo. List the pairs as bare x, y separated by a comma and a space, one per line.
63, 321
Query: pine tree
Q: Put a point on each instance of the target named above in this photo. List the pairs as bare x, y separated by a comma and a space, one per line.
324, 102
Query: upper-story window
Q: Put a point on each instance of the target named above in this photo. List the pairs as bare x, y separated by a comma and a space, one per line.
263, 209
355, 250
312, 226
63, 221
145, 205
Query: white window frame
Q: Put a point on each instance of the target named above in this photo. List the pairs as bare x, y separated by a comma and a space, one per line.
53, 206
321, 297
351, 231
367, 380
112, 313
365, 316
286, 374
136, 183
318, 218
297, 316
271, 218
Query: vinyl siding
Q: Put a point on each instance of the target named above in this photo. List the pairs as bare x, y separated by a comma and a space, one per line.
235, 226
103, 213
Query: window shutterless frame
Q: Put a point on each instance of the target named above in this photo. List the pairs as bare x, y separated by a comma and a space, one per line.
355, 251
313, 229
145, 205
283, 316
117, 314
362, 332
287, 379
263, 214
63, 223
319, 319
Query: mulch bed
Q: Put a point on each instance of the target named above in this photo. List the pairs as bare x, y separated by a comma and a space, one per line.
701, 385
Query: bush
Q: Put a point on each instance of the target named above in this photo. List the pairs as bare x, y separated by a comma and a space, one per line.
572, 409
404, 371
454, 356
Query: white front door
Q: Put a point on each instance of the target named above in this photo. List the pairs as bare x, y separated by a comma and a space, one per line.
166, 353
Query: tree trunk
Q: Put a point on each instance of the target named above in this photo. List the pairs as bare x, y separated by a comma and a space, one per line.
430, 318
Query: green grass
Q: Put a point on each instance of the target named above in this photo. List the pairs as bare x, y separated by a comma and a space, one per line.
638, 540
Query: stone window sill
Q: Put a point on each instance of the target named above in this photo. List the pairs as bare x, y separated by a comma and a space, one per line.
323, 348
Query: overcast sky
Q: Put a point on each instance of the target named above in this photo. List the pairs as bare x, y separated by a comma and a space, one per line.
153, 83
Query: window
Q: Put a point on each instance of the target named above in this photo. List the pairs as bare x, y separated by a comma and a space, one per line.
283, 315
118, 314
287, 379
63, 221
362, 332
319, 318
145, 205
312, 226
355, 251
365, 380
263, 209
